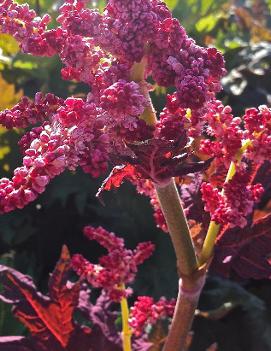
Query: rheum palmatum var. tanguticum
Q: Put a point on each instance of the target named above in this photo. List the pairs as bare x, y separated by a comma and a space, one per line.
117, 53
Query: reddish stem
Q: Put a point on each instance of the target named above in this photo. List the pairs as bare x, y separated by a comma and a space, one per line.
189, 292
189, 287
192, 277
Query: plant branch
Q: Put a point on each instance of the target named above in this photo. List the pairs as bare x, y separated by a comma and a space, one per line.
178, 227
214, 228
126, 331
192, 278
189, 292
168, 195
190, 284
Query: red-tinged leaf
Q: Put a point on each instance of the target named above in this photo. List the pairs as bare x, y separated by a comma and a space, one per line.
154, 159
192, 201
117, 176
245, 252
160, 159
48, 318
263, 176
42, 313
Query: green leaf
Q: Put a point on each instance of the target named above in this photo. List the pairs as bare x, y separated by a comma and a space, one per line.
8, 44
206, 24
206, 5
171, 4
101, 5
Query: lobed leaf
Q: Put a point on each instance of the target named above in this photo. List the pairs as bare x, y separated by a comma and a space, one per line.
48, 318
245, 252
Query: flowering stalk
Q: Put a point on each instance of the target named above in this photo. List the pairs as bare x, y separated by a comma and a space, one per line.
213, 230
115, 53
168, 195
178, 227
192, 279
113, 271
189, 291
126, 330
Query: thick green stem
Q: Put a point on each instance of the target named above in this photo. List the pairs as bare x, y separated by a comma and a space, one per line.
178, 227
192, 279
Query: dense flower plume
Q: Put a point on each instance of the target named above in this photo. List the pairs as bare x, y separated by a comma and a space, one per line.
200, 162
147, 312
244, 141
258, 130
226, 129
231, 133
102, 50
116, 268
235, 203
28, 112
114, 52
69, 138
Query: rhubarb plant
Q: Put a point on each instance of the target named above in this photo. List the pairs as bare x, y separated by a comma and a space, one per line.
199, 165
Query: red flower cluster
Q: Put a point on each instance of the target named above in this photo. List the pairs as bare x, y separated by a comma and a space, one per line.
258, 130
100, 50
28, 112
68, 139
26, 27
242, 141
230, 132
147, 312
235, 203
175, 59
116, 268
226, 130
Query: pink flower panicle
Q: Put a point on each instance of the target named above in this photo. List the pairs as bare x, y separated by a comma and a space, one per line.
127, 27
258, 130
236, 203
23, 23
106, 239
81, 58
44, 159
175, 59
171, 126
67, 140
126, 31
147, 312
75, 18
100, 50
118, 267
227, 131
28, 112
123, 99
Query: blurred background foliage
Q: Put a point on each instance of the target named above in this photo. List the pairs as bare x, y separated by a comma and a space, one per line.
238, 315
